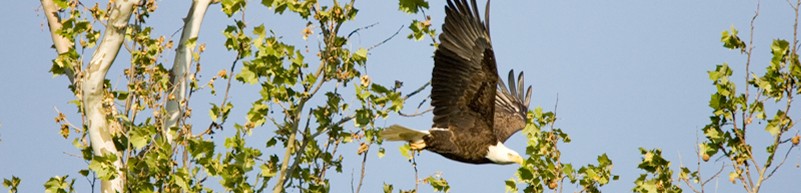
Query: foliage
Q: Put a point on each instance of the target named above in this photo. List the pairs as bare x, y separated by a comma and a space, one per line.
734, 113
660, 178
11, 184
307, 133
544, 168
412, 6
420, 29
59, 184
288, 83
438, 183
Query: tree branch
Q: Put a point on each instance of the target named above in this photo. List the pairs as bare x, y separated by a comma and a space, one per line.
183, 61
93, 91
61, 43
364, 163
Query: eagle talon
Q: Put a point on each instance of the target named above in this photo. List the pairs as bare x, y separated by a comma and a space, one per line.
417, 146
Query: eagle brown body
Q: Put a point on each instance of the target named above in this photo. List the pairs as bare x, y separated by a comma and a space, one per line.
471, 119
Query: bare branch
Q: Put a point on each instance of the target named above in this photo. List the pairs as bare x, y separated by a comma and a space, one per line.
415, 92
416, 174
715, 175
356, 31
386, 40
416, 113
364, 163
787, 154
215, 125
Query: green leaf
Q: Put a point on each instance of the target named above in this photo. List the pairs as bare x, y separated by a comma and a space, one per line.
11, 184
59, 184
139, 138
406, 151
511, 186
438, 183
418, 30
64, 61
230, 7
63, 4
181, 181
360, 56
525, 173
214, 112
271, 142
731, 40
381, 152
772, 128
779, 48
388, 188
267, 170
84, 172
104, 166
412, 6
200, 148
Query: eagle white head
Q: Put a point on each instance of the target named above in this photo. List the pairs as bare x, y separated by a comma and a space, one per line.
500, 154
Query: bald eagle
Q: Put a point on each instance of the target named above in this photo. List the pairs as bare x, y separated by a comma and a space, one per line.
474, 112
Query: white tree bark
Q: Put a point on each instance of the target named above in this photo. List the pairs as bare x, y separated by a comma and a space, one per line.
91, 87
93, 91
61, 43
180, 69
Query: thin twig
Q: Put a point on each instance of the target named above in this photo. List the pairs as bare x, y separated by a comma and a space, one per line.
356, 31
714, 176
386, 40
325, 164
416, 91
364, 163
681, 165
555, 106
787, 154
215, 125
416, 113
747, 181
416, 174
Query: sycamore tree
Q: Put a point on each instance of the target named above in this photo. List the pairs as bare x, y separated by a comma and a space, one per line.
762, 107
136, 132
139, 137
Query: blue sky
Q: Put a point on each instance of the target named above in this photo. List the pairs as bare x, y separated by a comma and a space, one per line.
628, 74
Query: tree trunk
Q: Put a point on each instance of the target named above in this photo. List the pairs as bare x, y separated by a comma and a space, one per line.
92, 91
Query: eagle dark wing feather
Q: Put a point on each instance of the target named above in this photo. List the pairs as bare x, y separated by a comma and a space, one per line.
511, 107
465, 76
463, 87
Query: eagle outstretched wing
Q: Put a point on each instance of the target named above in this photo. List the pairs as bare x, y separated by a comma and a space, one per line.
511, 107
465, 77
464, 85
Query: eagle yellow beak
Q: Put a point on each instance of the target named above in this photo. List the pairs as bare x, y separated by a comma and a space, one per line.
518, 160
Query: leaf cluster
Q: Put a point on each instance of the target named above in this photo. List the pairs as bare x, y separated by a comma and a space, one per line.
658, 177
544, 167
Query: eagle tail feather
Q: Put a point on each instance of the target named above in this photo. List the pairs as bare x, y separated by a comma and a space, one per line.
401, 133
